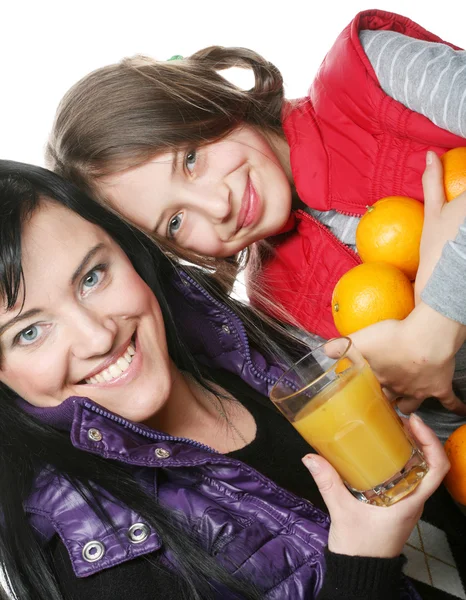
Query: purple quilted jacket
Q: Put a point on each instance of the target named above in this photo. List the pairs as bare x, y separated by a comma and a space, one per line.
250, 524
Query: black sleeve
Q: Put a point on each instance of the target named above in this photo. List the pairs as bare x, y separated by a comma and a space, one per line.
347, 578
361, 578
131, 580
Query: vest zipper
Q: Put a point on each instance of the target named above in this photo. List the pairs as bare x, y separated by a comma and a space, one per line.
242, 331
155, 436
349, 250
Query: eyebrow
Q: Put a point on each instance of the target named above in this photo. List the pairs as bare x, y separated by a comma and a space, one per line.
82, 265
36, 311
21, 317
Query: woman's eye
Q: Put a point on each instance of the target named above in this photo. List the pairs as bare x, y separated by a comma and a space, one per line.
174, 225
29, 335
92, 278
190, 160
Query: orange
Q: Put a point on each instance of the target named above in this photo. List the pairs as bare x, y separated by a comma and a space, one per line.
455, 447
390, 232
454, 172
370, 293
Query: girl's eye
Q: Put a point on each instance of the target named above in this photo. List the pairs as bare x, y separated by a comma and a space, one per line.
28, 336
174, 225
190, 160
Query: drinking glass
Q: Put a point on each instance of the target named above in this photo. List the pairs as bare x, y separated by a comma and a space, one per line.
333, 399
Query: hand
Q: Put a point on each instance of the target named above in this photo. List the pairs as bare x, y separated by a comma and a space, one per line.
359, 529
415, 358
442, 220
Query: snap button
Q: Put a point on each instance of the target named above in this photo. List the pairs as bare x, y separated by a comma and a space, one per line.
93, 551
138, 533
225, 328
94, 435
162, 453
185, 282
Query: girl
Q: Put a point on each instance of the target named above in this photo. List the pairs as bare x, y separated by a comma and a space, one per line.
187, 156
132, 419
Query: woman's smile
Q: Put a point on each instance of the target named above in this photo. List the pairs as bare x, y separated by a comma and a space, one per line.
85, 323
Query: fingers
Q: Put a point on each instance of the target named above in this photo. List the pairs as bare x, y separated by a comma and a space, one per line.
432, 184
434, 454
391, 396
408, 404
452, 403
328, 481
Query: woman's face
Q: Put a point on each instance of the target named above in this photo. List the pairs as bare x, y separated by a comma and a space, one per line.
89, 325
215, 200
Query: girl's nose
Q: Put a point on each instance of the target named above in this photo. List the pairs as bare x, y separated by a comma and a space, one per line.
216, 204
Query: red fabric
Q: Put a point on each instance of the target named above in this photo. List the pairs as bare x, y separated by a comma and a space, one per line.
350, 145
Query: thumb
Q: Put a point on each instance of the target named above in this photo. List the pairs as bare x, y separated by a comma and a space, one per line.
432, 184
330, 485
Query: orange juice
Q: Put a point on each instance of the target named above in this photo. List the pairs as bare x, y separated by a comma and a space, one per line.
351, 423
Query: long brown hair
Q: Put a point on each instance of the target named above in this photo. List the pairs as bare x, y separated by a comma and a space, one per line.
122, 115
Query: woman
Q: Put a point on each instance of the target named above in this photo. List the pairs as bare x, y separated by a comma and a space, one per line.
132, 400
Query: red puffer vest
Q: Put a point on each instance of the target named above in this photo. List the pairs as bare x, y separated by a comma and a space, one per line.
351, 145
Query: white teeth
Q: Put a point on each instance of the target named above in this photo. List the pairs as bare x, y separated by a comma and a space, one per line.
116, 369
123, 364
106, 375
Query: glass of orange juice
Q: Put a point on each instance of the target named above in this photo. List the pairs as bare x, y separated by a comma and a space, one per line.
335, 402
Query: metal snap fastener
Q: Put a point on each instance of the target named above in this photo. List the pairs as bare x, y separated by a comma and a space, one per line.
185, 282
138, 533
93, 551
94, 435
162, 453
226, 329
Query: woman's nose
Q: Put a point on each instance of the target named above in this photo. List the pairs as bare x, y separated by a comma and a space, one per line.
94, 335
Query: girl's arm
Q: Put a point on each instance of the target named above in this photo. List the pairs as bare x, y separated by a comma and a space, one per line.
416, 357
445, 291
427, 77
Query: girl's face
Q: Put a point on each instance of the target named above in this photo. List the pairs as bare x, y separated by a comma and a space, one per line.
215, 200
89, 325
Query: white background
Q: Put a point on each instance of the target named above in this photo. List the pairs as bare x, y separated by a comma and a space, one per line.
45, 46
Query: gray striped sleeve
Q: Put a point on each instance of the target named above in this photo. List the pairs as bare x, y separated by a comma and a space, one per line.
445, 291
427, 77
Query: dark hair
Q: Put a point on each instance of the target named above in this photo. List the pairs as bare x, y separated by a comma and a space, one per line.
27, 445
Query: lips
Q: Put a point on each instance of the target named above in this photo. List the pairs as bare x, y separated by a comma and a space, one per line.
250, 205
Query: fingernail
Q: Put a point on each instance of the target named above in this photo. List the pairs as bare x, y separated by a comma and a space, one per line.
416, 417
429, 157
311, 464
